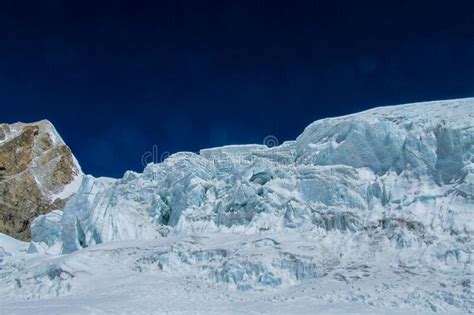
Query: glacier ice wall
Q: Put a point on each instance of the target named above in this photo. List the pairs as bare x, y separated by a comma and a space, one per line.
388, 189
407, 166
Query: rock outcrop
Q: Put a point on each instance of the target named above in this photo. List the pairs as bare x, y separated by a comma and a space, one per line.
38, 173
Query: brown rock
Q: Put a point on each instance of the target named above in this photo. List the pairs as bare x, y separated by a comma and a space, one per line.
35, 166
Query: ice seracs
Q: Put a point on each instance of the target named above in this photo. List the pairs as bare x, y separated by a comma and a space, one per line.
375, 207
409, 163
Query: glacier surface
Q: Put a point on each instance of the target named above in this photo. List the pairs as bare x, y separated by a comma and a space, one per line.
374, 209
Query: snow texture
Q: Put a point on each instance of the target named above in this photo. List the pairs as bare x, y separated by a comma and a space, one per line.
372, 210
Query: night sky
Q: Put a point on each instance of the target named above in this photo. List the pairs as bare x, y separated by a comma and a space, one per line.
118, 77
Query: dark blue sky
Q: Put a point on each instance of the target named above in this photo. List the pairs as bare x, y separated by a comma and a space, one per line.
118, 77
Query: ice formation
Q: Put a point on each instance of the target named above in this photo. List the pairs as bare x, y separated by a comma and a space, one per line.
377, 206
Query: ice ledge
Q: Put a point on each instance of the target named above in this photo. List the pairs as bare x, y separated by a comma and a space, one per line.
231, 150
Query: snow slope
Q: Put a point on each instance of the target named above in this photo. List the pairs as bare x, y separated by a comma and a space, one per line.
10, 245
371, 212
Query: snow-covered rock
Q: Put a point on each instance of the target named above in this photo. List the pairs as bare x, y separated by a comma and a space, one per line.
38, 173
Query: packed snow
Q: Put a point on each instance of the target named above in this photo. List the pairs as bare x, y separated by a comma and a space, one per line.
367, 213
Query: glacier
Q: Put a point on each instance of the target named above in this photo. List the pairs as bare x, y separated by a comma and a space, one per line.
373, 209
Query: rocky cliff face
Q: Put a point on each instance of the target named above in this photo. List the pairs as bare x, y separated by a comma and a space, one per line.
38, 173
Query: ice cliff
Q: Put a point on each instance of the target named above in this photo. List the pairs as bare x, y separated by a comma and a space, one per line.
385, 196
407, 169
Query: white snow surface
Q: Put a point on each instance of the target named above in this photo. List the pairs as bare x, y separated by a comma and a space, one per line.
11, 245
368, 213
